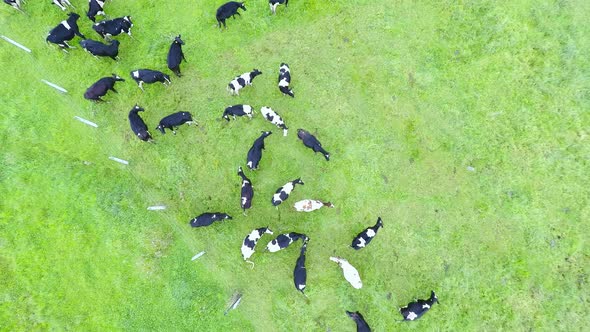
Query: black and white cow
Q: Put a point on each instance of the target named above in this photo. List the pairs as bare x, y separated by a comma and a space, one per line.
174, 121
247, 192
208, 218
364, 238
361, 324
95, 7
255, 152
149, 76
275, 3
115, 27
101, 87
97, 48
285, 80
65, 31
274, 118
137, 125
175, 55
284, 240
16, 4
416, 309
242, 81
283, 192
238, 110
300, 273
228, 10
250, 242
311, 142
62, 4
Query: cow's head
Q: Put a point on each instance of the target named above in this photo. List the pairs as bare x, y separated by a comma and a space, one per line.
115, 42
226, 216
255, 72
128, 19
298, 181
73, 16
267, 230
166, 78
137, 108
243, 6
178, 40
118, 78
266, 133
161, 128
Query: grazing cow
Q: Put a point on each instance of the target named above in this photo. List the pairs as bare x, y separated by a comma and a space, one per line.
108, 28
95, 7
250, 242
283, 192
97, 48
308, 205
416, 309
361, 324
149, 76
16, 4
311, 142
284, 240
208, 218
137, 125
255, 152
350, 273
247, 191
364, 238
227, 10
300, 273
65, 31
242, 81
274, 118
174, 121
175, 55
285, 79
275, 3
238, 110
101, 87
62, 4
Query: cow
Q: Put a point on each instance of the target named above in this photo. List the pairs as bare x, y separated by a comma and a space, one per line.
238, 110
364, 238
97, 48
208, 218
285, 79
247, 192
175, 55
108, 28
62, 4
242, 81
284, 240
274, 118
283, 192
250, 242
95, 7
101, 87
255, 152
416, 309
275, 3
227, 10
361, 324
16, 4
65, 31
308, 205
312, 142
350, 273
174, 121
149, 76
300, 273
137, 125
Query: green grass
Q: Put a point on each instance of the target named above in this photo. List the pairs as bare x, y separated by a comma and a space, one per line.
404, 95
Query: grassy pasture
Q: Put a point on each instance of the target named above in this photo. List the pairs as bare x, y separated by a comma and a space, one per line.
463, 124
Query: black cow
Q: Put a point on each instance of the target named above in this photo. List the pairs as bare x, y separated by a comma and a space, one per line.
364, 238
300, 273
416, 309
149, 76
283, 192
255, 152
101, 87
238, 110
175, 55
247, 191
228, 10
311, 142
250, 242
62, 4
174, 120
108, 28
97, 48
137, 125
16, 4
285, 80
361, 324
95, 7
284, 240
65, 31
242, 81
208, 218
275, 3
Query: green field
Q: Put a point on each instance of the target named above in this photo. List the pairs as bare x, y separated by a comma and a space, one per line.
463, 124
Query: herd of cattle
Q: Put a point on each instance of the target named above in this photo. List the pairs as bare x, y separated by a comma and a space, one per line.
68, 29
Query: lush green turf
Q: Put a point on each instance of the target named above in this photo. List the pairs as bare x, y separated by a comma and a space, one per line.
464, 125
